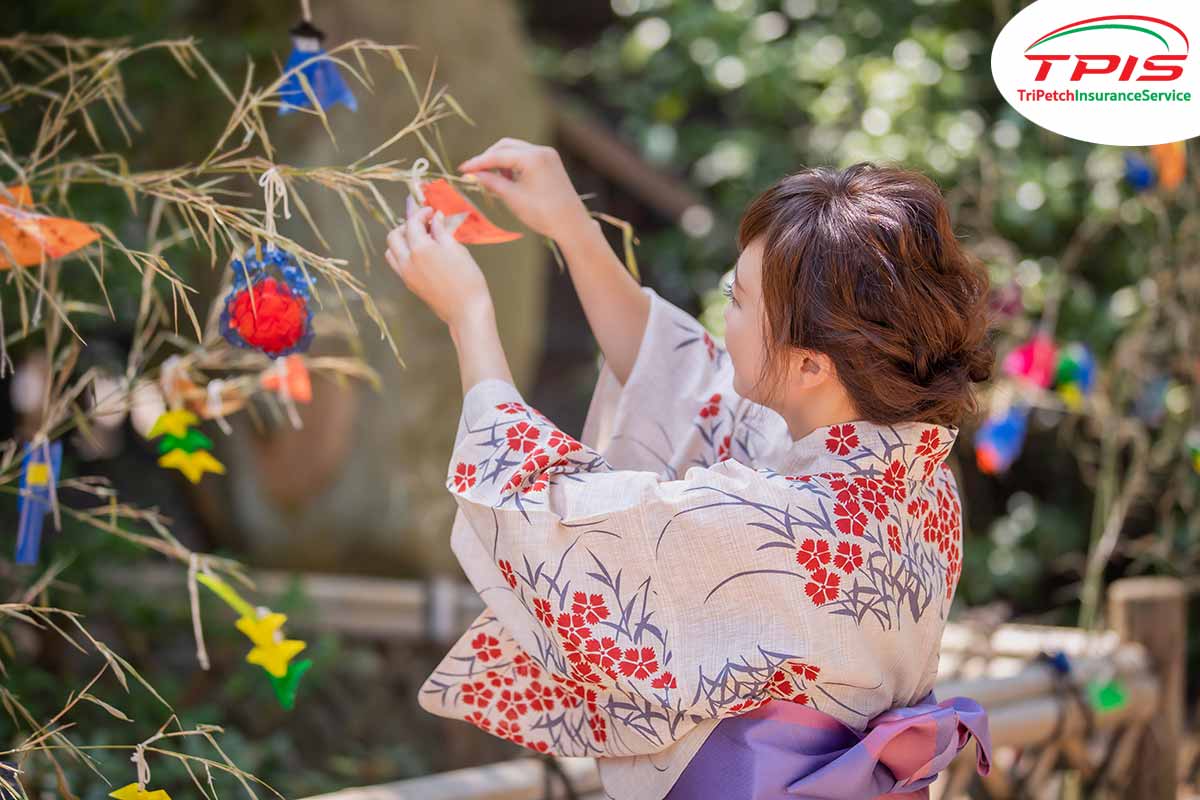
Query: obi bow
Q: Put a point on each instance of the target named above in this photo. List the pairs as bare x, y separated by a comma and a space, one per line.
787, 751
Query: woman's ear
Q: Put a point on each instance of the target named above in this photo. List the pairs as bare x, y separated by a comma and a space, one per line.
812, 368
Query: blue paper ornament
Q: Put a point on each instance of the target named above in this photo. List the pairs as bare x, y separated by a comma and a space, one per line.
39, 477
268, 309
1139, 173
1000, 438
321, 73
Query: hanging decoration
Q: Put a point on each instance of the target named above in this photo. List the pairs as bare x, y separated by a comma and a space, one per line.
39, 496
289, 379
28, 238
271, 650
322, 74
1075, 374
184, 448
463, 219
1166, 167
1000, 439
1033, 361
267, 309
134, 792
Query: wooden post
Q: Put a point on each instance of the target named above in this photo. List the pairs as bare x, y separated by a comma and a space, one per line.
1153, 612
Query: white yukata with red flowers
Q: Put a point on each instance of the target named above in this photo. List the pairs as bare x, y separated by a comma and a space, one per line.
687, 561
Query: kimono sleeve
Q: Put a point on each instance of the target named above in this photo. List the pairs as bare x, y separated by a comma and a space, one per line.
602, 570
677, 407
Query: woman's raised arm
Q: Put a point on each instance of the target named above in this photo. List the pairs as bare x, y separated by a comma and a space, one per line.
531, 180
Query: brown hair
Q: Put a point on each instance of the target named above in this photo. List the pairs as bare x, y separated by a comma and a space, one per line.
862, 264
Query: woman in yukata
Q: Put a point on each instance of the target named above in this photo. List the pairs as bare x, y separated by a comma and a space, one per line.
734, 584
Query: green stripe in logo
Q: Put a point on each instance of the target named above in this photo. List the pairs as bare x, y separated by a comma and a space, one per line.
1099, 27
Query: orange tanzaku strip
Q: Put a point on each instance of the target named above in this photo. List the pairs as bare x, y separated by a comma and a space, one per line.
28, 238
474, 227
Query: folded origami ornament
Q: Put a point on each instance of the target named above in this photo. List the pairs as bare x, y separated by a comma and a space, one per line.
285, 687
183, 448
1000, 439
39, 479
463, 219
322, 74
268, 307
1075, 374
134, 792
28, 238
1170, 164
1033, 361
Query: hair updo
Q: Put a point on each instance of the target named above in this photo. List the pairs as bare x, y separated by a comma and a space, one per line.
862, 264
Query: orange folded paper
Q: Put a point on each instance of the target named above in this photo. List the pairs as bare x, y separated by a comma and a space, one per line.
30, 238
290, 377
474, 227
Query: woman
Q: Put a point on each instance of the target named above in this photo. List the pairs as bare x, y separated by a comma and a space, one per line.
763, 535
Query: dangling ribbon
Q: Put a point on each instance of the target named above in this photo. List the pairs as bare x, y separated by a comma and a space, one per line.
282, 369
215, 403
274, 188
416, 174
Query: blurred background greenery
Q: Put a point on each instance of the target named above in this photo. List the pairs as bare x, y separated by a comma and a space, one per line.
717, 99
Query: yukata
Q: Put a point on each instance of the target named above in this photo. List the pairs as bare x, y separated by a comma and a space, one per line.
686, 562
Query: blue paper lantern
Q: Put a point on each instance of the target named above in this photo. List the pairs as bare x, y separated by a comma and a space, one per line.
321, 73
39, 477
1000, 439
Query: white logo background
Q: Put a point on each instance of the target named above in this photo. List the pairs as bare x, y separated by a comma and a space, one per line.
1124, 123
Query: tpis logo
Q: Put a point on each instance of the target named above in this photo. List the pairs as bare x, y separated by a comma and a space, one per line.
1113, 72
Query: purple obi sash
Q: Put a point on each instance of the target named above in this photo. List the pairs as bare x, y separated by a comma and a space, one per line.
787, 751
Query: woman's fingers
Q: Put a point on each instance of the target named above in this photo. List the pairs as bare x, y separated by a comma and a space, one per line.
415, 233
506, 157
396, 243
393, 262
496, 183
437, 229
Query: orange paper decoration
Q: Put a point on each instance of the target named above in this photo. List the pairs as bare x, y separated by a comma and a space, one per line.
30, 238
292, 377
475, 228
1171, 162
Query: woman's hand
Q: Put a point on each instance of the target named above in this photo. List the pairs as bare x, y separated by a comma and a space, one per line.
533, 183
437, 268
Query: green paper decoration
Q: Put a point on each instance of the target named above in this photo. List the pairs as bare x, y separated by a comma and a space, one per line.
285, 687
192, 441
1107, 695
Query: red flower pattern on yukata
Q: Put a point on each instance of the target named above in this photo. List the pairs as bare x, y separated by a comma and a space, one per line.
712, 408
665, 681
893, 481
930, 440
526, 667
487, 648
639, 663
805, 671
591, 606
893, 534
464, 476
511, 704
599, 728
603, 653
522, 437
561, 443
477, 694
849, 556
506, 570
540, 696
822, 585
477, 719
511, 408
813, 553
573, 628
543, 611
850, 518
842, 439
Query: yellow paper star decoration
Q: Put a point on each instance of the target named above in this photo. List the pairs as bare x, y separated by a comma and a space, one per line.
262, 631
132, 792
174, 422
276, 656
192, 465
